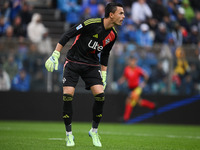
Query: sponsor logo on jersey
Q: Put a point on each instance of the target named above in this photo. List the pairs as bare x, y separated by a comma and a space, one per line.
95, 45
79, 26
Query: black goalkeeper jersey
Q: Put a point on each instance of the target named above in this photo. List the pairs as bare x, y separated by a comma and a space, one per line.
91, 39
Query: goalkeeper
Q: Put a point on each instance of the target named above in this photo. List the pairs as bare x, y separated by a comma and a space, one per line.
93, 37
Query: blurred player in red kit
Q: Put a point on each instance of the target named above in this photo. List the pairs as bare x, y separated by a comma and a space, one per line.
132, 74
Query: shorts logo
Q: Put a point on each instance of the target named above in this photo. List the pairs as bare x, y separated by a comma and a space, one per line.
64, 80
79, 26
99, 116
65, 116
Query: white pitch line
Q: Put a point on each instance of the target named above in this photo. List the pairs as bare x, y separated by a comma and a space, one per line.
186, 137
151, 135
137, 134
56, 139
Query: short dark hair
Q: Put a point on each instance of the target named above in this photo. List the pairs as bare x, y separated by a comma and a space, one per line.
111, 7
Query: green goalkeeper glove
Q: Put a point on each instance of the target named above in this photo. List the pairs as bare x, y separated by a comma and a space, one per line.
103, 73
52, 62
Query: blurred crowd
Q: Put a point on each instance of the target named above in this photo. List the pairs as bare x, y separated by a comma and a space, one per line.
25, 42
147, 21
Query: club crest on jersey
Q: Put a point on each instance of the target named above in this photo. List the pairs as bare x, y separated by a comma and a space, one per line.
79, 26
107, 41
95, 45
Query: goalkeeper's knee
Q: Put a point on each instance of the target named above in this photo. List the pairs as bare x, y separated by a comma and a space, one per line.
67, 108
98, 107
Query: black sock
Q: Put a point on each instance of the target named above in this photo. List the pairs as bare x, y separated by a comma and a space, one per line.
67, 111
95, 124
97, 109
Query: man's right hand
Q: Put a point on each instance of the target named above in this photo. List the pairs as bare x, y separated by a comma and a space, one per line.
52, 62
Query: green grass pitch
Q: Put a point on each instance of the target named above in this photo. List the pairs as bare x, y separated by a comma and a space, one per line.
24, 135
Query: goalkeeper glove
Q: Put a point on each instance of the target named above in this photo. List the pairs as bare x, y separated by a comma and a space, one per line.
103, 73
52, 62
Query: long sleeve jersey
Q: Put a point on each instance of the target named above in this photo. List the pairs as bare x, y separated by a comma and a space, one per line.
91, 39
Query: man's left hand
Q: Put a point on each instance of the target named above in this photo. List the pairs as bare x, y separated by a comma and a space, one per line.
103, 73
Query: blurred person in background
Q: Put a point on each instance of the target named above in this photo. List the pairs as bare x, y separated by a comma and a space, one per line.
9, 42
36, 29
177, 3
193, 36
18, 28
86, 14
132, 74
161, 34
71, 11
158, 10
128, 32
120, 54
168, 22
5, 84
195, 74
10, 66
3, 26
182, 21
157, 75
38, 34
21, 55
176, 83
182, 67
101, 11
25, 14
140, 12
176, 34
162, 86
153, 25
189, 12
187, 86
93, 37
93, 5
196, 20
5, 11
16, 6
9, 33
143, 36
21, 81
35, 59
171, 9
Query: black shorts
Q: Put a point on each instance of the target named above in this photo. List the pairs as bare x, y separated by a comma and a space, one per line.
91, 75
